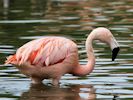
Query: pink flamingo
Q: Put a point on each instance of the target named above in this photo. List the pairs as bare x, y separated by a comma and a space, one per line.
52, 57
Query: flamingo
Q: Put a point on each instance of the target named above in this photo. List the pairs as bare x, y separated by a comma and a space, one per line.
52, 56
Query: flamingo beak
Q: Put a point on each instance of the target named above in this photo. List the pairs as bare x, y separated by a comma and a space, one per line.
115, 52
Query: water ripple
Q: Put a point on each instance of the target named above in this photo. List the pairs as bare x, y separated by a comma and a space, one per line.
26, 21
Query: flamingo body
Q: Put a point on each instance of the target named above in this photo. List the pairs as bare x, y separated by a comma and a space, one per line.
52, 57
48, 57
45, 51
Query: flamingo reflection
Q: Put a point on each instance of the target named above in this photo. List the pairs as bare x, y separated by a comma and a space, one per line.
71, 92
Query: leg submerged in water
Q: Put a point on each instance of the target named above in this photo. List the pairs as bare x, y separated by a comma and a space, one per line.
55, 81
36, 80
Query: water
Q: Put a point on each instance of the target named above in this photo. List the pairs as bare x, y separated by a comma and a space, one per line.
24, 20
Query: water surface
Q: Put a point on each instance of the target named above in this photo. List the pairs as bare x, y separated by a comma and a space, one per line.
24, 20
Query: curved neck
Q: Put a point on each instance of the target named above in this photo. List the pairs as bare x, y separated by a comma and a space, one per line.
104, 35
82, 70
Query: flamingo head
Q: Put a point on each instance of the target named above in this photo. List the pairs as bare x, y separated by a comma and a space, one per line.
114, 47
105, 35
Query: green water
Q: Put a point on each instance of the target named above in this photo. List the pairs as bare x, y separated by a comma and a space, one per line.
24, 20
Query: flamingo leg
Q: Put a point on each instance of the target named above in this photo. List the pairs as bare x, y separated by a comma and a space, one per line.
55, 82
36, 80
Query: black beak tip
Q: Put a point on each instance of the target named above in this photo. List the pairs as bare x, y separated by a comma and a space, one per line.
113, 59
115, 52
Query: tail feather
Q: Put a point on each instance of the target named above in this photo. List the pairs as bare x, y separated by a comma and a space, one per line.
11, 60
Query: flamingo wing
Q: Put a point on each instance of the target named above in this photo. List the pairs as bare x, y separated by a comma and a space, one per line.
44, 52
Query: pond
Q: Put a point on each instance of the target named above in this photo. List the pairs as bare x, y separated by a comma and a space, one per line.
25, 20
